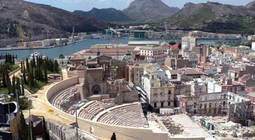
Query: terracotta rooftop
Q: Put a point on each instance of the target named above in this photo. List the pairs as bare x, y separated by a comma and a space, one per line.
77, 56
252, 94
234, 83
175, 46
245, 77
250, 89
164, 67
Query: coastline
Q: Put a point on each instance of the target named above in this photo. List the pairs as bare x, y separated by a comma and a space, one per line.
31, 48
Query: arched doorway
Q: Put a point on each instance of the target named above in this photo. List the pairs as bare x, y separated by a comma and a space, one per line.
96, 89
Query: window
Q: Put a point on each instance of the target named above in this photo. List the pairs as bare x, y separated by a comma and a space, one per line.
224, 96
155, 104
169, 92
162, 104
152, 84
169, 103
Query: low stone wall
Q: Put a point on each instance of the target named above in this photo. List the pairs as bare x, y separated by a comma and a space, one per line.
61, 86
11, 73
105, 131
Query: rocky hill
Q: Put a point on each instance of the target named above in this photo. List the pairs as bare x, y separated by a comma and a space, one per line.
19, 19
213, 17
147, 10
251, 5
108, 15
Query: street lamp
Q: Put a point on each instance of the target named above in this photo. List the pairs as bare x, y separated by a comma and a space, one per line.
76, 107
31, 135
18, 107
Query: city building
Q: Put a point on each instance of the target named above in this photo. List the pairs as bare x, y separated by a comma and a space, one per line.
177, 63
188, 43
185, 73
136, 72
156, 83
251, 96
237, 107
9, 128
153, 54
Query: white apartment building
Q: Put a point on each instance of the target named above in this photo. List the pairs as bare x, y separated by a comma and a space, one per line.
188, 42
153, 53
156, 83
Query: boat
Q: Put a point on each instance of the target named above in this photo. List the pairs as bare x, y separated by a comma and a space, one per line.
34, 55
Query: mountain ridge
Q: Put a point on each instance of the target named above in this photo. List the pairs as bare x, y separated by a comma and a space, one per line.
105, 14
147, 10
29, 20
213, 17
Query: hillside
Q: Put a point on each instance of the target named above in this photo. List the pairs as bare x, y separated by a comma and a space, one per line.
213, 17
107, 15
147, 10
251, 5
20, 19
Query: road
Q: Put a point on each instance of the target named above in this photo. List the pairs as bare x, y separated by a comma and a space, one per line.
40, 106
15, 73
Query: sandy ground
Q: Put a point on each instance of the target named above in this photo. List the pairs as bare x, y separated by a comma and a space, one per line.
40, 106
191, 129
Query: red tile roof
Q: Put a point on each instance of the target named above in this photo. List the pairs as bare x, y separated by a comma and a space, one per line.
175, 46
250, 89
245, 78
164, 67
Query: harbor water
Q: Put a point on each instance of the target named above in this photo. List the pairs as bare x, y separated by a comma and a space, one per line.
70, 49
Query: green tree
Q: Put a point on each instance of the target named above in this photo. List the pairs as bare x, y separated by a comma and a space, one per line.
23, 70
4, 79
23, 127
61, 56
27, 66
172, 42
56, 66
22, 87
45, 74
8, 81
18, 87
13, 86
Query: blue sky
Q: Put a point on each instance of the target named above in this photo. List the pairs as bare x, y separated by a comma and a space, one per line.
86, 5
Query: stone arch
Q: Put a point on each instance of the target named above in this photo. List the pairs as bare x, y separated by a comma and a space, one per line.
96, 89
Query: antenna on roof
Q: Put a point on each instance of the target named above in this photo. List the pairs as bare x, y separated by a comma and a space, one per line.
73, 33
166, 29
